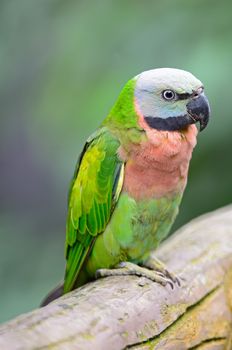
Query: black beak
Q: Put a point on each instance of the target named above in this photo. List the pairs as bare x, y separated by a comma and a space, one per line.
199, 110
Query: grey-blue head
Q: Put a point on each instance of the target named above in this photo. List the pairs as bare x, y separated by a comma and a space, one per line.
171, 99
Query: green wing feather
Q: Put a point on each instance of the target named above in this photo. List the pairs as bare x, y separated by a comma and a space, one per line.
94, 191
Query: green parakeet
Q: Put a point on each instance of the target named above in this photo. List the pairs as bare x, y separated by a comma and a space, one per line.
130, 178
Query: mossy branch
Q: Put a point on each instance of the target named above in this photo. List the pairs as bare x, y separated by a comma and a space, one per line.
135, 313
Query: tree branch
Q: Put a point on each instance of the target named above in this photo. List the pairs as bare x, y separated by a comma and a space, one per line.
135, 313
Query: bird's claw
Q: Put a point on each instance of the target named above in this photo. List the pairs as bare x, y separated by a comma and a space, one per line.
160, 268
128, 268
171, 276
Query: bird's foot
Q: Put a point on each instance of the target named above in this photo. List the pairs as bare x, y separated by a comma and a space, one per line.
128, 268
160, 268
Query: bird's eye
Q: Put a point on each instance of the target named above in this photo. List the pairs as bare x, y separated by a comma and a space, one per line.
168, 95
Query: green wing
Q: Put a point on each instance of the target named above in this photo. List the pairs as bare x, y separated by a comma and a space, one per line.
95, 189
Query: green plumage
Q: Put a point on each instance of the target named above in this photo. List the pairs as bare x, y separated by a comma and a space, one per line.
105, 226
92, 198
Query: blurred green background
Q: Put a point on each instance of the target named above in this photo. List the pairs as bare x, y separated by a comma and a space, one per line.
62, 65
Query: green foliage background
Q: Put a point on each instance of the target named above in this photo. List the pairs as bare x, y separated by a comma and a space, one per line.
62, 65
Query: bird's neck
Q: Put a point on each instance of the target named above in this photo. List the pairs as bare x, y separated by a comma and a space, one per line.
158, 166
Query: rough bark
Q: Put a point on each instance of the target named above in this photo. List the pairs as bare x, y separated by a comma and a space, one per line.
135, 313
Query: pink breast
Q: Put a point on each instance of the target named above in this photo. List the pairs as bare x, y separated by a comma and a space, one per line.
159, 166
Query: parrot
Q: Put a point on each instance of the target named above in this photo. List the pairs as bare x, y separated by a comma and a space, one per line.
130, 178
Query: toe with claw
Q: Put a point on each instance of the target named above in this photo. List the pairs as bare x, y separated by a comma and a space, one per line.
159, 267
128, 268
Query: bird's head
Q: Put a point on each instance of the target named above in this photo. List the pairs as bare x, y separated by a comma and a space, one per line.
170, 99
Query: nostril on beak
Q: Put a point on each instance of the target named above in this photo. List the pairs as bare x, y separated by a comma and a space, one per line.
197, 93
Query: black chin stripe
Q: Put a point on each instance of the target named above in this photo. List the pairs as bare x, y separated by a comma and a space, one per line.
169, 124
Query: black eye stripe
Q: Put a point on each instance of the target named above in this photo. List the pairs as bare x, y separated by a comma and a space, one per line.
186, 95
183, 96
171, 95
